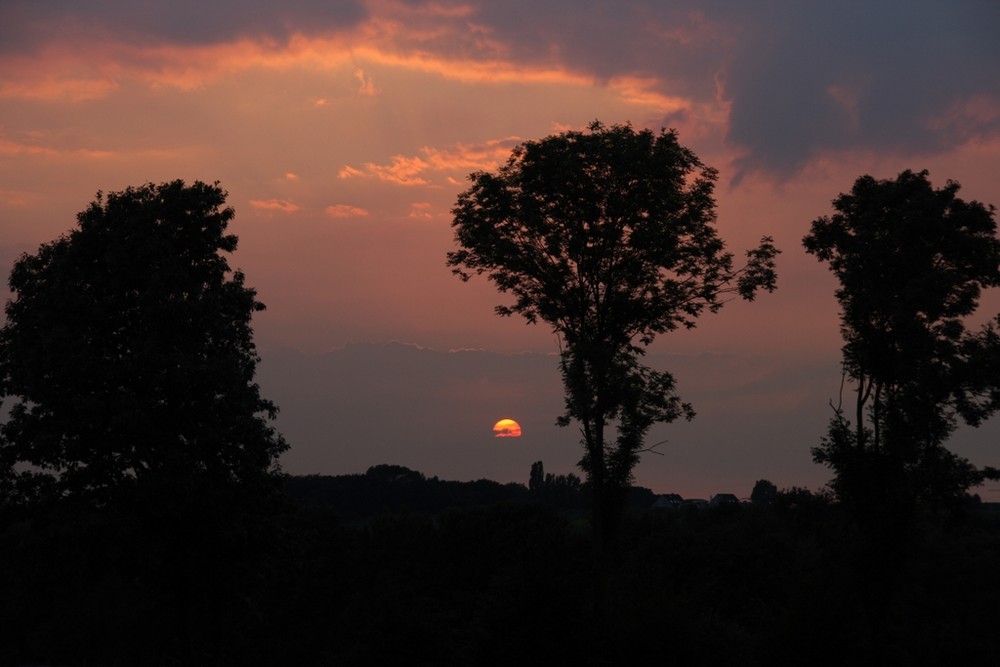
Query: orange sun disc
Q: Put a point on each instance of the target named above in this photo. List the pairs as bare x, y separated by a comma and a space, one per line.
507, 428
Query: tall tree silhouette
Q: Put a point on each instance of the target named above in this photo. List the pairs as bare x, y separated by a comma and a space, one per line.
912, 262
128, 346
608, 237
129, 357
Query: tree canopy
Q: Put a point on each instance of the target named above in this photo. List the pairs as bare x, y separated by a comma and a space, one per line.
912, 262
129, 354
608, 236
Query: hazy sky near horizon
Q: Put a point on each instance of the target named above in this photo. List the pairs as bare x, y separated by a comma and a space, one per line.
343, 132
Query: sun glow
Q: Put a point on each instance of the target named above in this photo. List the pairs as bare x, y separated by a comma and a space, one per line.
507, 428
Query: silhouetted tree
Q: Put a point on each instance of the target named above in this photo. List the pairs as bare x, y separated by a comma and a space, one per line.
764, 492
912, 262
129, 357
537, 478
387, 472
608, 237
129, 350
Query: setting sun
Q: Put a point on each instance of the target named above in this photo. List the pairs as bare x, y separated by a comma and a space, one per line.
507, 428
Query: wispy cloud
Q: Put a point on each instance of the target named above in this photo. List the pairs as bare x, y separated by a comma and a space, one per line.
401, 170
414, 170
11, 147
421, 210
778, 107
464, 157
365, 84
646, 91
345, 211
280, 205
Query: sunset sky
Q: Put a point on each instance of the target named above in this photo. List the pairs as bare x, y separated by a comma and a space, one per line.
344, 130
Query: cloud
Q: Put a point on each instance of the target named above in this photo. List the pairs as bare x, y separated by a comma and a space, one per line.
830, 78
421, 210
35, 148
642, 91
46, 86
969, 117
465, 157
57, 50
349, 172
345, 211
401, 170
788, 82
275, 205
365, 84
791, 82
28, 26
413, 170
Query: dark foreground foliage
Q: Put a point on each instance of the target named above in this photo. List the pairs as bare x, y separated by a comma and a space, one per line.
514, 582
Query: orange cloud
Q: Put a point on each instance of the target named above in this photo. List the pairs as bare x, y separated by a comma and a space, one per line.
16, 148
421, 210
466, 157
349, 172
63, 71
409, 171
345, 211
275, 205
641, 91
367, 86
486, 71
401, 170
55, 88
439, 41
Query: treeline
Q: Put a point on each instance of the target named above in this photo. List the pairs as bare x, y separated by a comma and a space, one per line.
394, 488
792, 581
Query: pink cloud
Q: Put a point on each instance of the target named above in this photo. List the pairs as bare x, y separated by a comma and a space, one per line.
366, 85
349, 172
34, 149
642, 91
275, 205
345, 211
438, 46
401, 170
964, 116
465, 157
421, 210
412, 170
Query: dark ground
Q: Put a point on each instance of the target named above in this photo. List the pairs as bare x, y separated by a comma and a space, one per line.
392, 568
